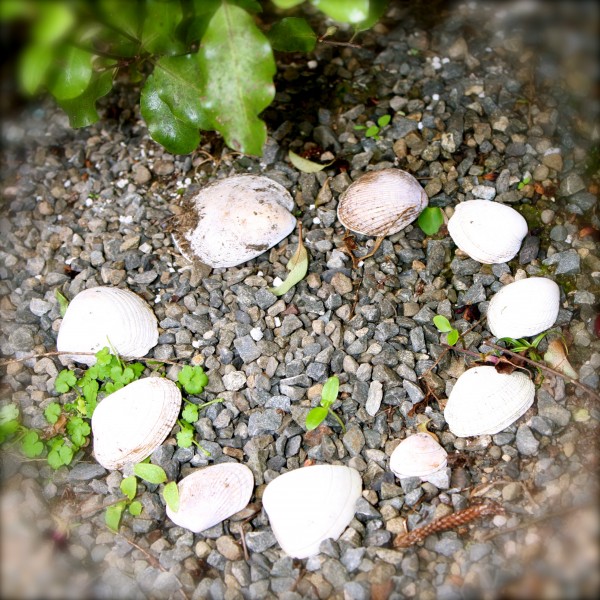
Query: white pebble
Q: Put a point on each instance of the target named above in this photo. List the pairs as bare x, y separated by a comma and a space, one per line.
277, 281
256, 334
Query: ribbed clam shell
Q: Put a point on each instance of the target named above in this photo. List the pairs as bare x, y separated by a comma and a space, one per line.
107, 316
234, 220
211, 495
381, 203
418, 455
524, 308
484, 401
489, 232
132, 422
311, 504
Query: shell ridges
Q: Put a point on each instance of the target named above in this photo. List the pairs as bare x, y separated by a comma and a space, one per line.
418, 455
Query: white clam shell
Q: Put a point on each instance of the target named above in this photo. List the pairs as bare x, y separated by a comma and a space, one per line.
132, 422
311, 504
484, 401
107, 316
234, 220
381, 203
418, 455
489, 232
524, 308
211, 495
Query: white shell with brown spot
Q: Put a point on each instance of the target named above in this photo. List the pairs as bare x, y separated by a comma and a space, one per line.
524, 308
381, 203
418, 455
211, 495
484, 401
132, 422
311, 504
234, 220
107, 316
489, 232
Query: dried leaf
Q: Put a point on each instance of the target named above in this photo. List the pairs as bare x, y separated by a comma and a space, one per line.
305, 165
324, 195
297, 266
556, 358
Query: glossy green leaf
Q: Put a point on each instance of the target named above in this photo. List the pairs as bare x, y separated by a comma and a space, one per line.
330, 391
238, 66
52, 412
315, 417
252, 6
194, 28
135, 508
372, 131
122, 16
287, 3
73, 74
159, 29
292, 34
384, 120
297, 267
348, 11
171, 103
171, 495
82, 109
431, 219
53, 22
34, 64
129, 486
453, 337
442, 324
305, 165
113, 514
150, 473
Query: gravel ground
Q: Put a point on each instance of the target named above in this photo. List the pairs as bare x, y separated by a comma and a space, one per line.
502, 89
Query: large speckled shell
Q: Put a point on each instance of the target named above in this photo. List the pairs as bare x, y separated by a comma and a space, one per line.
107, 316
211, 495
381, 203
524, 308
234, 220
132, 422
418, 455
484, 401
311, 504
489, 232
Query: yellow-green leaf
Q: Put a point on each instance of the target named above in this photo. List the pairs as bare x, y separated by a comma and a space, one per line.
150, 473
171, 496
297, 266
305, 165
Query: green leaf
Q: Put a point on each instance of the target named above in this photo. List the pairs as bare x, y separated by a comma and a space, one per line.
171, 496
31, 445
54, 459
34, 64
376, 10
112, 516
104, 357
297, 266
124, 16
53, 22
129, 486
14, 9
52, 412
453, 337
287, 3
73, 74
159, 28
348, 11
431, 219
305, 165
185, 438
292, 34
384, 120
7, 429
78, 430
171, 103
8, 412
66, 454
536, 341
315, 417
63, 303
190, 413
442, 324
150, 473
64, 381
135, 508
238, 66
193, 379
330, 391
372, 131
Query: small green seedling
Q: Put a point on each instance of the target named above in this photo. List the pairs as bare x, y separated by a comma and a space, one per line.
192, 379
522, 345
443, 326
318, 414
373, 130
189, 415
524, 182
431, 219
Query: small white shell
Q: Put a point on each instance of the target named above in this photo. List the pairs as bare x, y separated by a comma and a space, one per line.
381, 203
484, 401
211, 495
311, 504
524, 308
418, 455
107, 316
234, 220
489, 232
132, 422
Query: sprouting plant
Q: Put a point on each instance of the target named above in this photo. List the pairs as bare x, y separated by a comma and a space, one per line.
522, 345
413, 52
373, 130
189, 415
443, 326
192, 379
524, 182
329, 395
431, 219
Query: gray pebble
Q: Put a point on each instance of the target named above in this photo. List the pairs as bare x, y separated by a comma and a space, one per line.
567, 263
527, 443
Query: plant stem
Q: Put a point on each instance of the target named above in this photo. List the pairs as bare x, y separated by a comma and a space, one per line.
334, 415
205, 404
